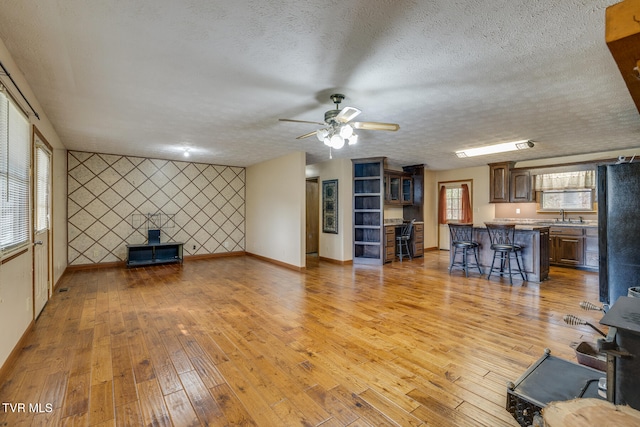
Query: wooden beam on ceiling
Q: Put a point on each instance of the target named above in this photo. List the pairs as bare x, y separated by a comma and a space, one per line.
622, 34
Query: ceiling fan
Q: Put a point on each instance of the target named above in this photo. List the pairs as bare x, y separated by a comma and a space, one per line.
338, 127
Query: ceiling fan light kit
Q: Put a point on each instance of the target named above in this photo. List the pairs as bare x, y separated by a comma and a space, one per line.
496, 148
339, 131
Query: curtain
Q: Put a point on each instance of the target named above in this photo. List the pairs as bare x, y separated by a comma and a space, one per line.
578, 180
442, 205
466, 216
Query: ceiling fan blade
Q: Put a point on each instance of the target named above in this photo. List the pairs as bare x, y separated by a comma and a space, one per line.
307, 135
302, 121
347, 114
376, 126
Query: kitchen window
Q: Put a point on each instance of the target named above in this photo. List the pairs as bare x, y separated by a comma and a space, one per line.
571, 191
569, 200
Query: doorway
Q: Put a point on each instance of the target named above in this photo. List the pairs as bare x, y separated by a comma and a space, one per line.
42, 283
312, 216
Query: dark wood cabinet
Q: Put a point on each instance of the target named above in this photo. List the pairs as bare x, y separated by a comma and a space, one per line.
390, 243
509, 185
407, 190
520, 186
398, 188
393, 188
574, 246
417, 240
499, 182
417, 249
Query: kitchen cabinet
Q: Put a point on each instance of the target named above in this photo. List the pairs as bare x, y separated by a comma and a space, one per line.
567, 246
368, 211
390, 243
393, 187
416, 245
509, 185
407, 190
398, 188
499, 182
520, 186
417, 249
574, 246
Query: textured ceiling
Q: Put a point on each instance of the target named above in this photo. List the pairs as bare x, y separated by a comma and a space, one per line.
147, 77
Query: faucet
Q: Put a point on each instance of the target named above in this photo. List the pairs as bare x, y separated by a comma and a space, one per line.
562, 213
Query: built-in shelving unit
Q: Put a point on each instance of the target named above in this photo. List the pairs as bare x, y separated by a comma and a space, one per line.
368, 212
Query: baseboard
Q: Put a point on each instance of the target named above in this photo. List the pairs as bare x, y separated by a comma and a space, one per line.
124, 263
276, 262
15, 352
433, 248
336, 261
97, 265
218, 255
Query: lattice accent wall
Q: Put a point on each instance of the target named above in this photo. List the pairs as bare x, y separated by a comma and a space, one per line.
104, 191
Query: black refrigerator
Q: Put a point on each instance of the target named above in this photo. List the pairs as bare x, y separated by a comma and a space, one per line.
618, 229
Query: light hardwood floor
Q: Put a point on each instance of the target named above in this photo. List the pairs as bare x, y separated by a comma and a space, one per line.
239, 341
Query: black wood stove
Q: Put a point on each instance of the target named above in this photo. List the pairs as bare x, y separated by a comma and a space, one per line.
622, 347
554, 379
548, 380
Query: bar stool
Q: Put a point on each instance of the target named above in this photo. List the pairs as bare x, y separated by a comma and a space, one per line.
504, 247
462, 241
403, 240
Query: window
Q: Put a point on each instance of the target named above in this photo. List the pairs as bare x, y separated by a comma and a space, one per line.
14, 176
43, 160
454, 204
572, 190
573, 200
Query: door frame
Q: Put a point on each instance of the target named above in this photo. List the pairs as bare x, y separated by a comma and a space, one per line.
38, 139
314, 205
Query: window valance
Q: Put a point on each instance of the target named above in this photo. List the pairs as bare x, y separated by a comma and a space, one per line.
577, 180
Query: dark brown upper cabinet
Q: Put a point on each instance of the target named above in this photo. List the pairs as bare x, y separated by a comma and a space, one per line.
398, 188
499, 182
508, 184
520, 186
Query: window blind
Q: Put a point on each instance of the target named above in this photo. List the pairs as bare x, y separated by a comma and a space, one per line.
14, 176
43, 159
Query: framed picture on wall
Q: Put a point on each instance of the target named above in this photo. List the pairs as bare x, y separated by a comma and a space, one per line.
330, 206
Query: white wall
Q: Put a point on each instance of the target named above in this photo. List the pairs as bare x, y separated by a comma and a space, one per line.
16, 285
339, 246
59, 220
275, 206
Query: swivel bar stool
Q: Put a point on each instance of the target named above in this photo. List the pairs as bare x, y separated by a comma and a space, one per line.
505, 248
403, 240
462, 242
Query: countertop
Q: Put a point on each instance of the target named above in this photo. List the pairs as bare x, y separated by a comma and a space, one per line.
547, 223
522, 227
398, 221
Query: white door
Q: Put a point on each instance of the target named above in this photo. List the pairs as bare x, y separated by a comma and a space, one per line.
42, 286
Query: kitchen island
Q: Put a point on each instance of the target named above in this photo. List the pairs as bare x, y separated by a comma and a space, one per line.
534, 240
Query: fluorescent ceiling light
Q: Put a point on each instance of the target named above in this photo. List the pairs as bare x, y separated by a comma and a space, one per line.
496, 148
